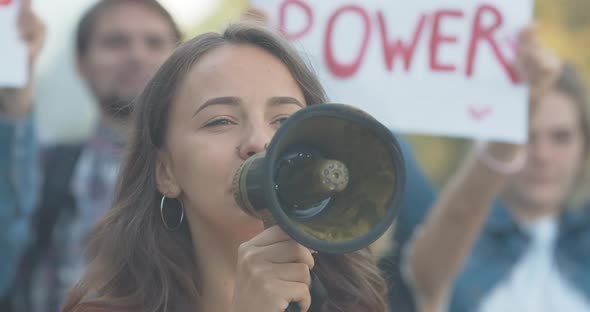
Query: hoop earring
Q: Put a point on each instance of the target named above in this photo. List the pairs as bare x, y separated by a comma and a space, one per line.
168, 227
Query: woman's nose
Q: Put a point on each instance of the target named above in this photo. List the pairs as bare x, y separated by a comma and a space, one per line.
255, 141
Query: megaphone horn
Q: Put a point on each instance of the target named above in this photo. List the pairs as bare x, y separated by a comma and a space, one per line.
332, 178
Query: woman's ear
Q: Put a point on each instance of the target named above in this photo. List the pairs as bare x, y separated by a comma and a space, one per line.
165, 179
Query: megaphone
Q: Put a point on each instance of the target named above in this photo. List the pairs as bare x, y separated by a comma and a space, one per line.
332, 178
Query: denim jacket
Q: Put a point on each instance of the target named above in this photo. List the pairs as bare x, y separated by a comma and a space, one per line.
18, 193
503, 243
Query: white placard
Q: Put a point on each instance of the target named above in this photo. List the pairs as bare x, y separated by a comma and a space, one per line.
13, 56
441, 67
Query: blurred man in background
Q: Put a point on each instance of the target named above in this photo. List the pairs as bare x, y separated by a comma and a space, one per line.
120, 44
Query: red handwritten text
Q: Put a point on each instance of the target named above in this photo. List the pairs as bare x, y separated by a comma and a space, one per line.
395, 48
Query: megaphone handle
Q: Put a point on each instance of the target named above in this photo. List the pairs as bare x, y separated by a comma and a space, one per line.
317, 290
318, 296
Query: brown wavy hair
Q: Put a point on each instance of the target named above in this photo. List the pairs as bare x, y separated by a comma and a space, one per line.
138, 265
571, 84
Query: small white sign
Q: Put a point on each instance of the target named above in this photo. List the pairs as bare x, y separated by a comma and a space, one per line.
441, 67
13, 56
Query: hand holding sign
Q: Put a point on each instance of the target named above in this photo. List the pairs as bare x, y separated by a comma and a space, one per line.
31, 30
538, 66
18, 62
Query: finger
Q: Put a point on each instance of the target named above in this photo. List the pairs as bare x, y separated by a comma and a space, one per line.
25, 11
293, 272
538, 64
295, 292
287, 252
25, 5
525, 47
255, 14
528, 33
27, 21
528, 41
272, 235
544, 66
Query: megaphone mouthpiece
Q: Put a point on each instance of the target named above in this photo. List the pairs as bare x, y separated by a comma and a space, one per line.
305, 178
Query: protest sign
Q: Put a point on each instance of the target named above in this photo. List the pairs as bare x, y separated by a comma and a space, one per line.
442, 67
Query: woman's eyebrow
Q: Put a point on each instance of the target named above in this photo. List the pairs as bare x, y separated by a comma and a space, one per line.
280, 100
224, 100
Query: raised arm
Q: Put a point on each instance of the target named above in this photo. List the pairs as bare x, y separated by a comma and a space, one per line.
16, 103
18, 157
441, 246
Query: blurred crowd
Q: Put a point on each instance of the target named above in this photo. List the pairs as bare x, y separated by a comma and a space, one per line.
502, 234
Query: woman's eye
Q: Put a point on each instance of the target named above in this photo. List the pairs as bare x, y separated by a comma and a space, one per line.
280, 120
219, 122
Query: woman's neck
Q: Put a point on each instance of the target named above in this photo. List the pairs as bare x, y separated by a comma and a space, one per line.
217, 270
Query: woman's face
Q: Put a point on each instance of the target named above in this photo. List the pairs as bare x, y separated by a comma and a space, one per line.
227, 108
555, 152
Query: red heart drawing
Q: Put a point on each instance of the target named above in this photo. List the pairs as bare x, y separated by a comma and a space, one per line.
479, 113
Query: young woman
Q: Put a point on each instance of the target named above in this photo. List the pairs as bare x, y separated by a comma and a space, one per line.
175, 240
531, 253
